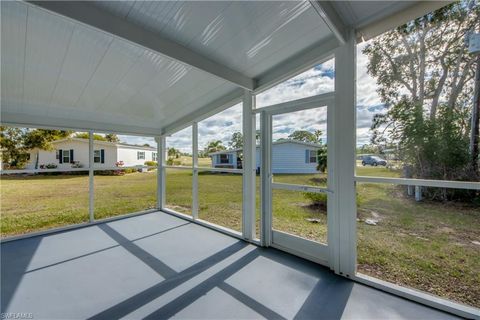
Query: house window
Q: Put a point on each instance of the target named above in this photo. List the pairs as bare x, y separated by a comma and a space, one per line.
224, 158
140, 155
312, 156
154, 156
97, 156
66, 156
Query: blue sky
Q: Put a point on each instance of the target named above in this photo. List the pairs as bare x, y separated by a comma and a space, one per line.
317, 80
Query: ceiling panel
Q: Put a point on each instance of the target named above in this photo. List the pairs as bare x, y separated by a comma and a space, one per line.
288, 49
237, 34
279, 43
139, 76
46, 47
13, 26
179, 21
86, 49
117, 62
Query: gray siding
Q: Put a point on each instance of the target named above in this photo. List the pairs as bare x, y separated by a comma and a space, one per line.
290, 158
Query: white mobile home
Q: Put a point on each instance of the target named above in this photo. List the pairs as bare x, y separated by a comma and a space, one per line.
288, 156
74, 152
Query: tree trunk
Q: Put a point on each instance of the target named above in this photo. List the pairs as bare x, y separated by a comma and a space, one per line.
475, 127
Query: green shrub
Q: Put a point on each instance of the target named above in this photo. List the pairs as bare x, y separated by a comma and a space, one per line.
151, 163
317, 199
320, 199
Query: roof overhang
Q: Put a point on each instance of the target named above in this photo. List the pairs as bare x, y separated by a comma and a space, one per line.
151, 68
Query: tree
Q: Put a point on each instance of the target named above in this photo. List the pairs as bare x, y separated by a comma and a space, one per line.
17, 142
112, 137
13, 151
426, 59
306, 136
322, 159
85, 135
368, 149
237, 141
214, 146
424, 76
173, 153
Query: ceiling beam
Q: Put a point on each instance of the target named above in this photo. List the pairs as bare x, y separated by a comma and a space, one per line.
331, 18
51, 122
87, 13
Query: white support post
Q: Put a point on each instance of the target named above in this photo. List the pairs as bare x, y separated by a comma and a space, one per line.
332, 211
195, 170
266, 180
248, 166
90, 177
418, 193
160, 172
344, 157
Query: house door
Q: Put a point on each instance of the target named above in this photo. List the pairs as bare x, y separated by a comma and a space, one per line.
297, 195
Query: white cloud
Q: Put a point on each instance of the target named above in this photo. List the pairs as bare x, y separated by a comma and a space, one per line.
366, 85
309, 83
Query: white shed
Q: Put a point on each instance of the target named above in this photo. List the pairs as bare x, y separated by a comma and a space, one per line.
288, 156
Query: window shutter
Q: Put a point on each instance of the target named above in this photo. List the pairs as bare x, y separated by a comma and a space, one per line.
71, 155
307, 156
60, 156
102, 155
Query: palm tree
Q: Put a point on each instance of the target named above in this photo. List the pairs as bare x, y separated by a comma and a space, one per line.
214, 146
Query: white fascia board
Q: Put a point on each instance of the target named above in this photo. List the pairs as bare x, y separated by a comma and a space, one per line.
297, 64
331, 18
208, 110
35, 121
420, 8
87, 14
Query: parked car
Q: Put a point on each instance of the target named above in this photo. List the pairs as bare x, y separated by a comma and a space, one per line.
374, 161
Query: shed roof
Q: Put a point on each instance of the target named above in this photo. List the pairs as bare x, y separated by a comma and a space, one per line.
147, 67
107, 143
283, 141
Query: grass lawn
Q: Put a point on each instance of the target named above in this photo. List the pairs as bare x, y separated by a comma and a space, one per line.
36, 203
429, 246
187, 161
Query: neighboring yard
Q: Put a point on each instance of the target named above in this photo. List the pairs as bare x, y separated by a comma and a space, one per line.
187, 161
431, 246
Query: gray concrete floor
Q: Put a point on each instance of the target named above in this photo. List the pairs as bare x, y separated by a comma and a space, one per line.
157, 266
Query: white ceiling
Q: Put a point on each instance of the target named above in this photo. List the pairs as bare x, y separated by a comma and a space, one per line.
60, 72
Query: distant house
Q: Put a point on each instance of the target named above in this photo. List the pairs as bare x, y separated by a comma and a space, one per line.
288, 156
74, 152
